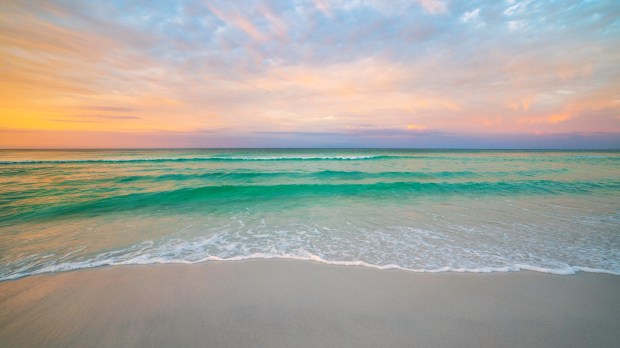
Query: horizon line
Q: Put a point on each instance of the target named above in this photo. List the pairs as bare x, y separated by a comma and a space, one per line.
313, 148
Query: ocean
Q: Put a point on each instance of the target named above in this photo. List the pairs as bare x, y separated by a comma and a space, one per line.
417, 210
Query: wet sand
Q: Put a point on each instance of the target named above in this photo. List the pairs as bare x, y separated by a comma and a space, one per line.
285, 303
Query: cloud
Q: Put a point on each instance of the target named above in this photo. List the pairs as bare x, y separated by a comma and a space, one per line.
309, 67
433, 6
416, 127
391, 8
517, 7
473, 17
372, 132
550, 119
108, 108
470, 16
110, 117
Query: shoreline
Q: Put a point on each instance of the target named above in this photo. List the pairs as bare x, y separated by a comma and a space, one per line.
569, 270
284, 303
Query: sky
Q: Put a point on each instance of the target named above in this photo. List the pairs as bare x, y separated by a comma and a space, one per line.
342, 73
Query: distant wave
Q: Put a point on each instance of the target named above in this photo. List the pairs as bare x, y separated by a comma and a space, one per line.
206, 159
340, 175
241, 175
216, 195
319, 175
439, 157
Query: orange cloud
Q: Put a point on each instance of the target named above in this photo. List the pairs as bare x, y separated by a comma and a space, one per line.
521, 106
548, 119
416, 127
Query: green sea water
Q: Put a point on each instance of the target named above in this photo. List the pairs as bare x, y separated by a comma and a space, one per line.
420, 210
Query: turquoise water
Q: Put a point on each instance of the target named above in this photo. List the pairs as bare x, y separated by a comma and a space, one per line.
420, 210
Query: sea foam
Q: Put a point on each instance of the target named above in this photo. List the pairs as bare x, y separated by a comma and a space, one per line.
303, 256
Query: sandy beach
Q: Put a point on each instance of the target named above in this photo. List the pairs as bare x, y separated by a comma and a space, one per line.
283, 303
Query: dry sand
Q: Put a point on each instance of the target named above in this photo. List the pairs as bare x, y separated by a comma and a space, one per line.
281, 303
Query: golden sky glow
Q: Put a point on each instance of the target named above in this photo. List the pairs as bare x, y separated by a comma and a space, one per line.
309, 73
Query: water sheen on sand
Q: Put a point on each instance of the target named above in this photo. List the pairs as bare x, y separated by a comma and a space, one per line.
421, 210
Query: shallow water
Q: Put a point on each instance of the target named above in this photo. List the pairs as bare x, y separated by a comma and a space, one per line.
421, 210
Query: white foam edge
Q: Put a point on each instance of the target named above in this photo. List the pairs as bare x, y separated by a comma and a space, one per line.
64, 267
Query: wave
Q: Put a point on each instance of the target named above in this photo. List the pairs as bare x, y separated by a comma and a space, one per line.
205, 159
324, 175
300, 256
353, 175
320, 175
225, 196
